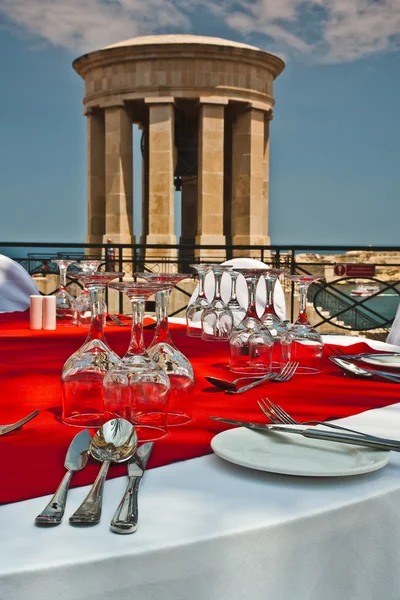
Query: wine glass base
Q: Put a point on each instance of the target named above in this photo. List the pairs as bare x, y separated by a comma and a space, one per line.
251, 371
175, 419
307, 370
85, 420
147, 433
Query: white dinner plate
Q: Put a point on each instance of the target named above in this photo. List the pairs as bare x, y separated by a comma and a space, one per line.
295, 455
383, 360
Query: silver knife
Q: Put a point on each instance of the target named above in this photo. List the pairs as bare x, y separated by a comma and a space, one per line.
126, 516
75, 460
319, 434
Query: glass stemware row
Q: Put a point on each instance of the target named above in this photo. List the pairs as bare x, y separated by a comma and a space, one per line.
257, 344
151, 387
97, 384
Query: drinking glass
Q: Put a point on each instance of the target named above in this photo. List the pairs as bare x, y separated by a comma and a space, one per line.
195, 310
83, 373
166, 355
82, 313
302, 343
217, 319
270, 319
137, 389
64, 301
250, 344
237, 310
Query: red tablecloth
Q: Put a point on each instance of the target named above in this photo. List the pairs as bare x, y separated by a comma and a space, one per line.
32, 459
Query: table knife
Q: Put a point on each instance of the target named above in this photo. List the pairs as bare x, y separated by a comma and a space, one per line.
318, 434
126, 516
75, 460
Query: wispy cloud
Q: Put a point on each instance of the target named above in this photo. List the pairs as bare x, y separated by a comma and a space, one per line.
326, 30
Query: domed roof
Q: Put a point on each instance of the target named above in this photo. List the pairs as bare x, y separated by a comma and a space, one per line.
178, 39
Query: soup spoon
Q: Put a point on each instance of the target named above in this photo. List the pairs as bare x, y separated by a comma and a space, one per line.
115, 441
355, 370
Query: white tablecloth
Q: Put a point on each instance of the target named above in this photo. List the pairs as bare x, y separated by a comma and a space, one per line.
210, 530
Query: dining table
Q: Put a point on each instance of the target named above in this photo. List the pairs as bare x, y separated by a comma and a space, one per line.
209, 529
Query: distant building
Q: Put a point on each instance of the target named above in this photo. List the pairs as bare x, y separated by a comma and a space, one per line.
204, 106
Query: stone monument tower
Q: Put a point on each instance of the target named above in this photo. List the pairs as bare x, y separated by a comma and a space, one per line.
204, 106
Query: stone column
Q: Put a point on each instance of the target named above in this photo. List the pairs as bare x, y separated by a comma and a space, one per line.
210, 203
248, 180
161, 176
119, 175
96, 179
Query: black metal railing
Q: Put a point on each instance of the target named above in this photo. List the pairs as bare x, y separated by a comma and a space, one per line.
334, 307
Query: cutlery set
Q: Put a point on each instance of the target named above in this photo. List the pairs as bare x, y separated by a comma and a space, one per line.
281, 421
230, 387
341, 359
114, 442
346, 362
318, 434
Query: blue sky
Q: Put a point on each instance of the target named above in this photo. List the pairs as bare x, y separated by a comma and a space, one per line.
335, 137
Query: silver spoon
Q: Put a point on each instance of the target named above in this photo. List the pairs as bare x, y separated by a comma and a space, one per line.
355, 370
229, 385
116, 441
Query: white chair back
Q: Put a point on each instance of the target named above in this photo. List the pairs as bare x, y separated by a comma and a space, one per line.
16, 285
241, 287
394, 334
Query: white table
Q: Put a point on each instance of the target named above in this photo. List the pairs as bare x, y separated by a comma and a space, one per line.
210, 530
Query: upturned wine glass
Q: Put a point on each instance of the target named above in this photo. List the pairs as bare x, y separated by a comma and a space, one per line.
302, 343
166, 355
236, 309
195, 310
250, 343
83, 373
270, 319
217, 319
82, 312
137, 389
64, 301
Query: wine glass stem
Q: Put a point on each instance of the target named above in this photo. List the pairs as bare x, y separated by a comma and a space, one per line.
270, 286
136, 345
162, 331
303, 288
96, 331
233, 287
252, 307
63, 277
217, 295
202, 277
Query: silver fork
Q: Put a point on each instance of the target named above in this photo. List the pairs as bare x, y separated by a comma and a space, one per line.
278, 415
284, 375
7, 428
